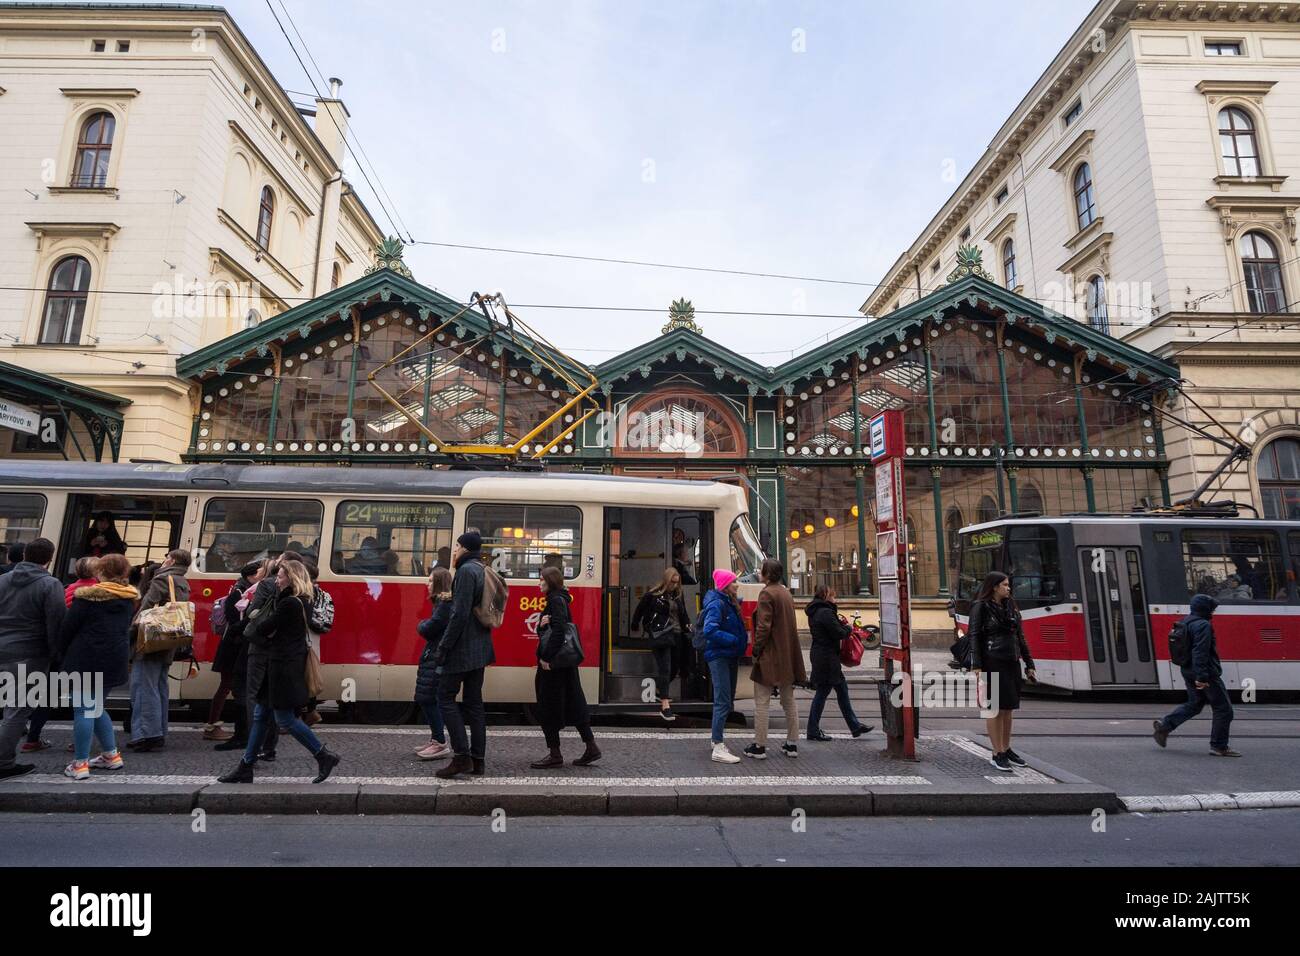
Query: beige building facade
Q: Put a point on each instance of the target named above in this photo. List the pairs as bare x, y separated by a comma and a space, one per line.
1149, 185
161, 191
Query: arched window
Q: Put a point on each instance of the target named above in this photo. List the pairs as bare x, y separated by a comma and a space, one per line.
1259, 261
1278, 469
65, 302
336, 276
265, 212
252, 319
1029, 499
988, 510
1237, 142
952, 525
94, 147
681, 423
1009, 263
1085, 203
1098, 317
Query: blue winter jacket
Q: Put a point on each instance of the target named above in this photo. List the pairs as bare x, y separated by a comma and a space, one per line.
723, 630
1205, 664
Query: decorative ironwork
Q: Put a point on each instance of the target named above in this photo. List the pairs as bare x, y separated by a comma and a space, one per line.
970, 262
388, 255
681, 315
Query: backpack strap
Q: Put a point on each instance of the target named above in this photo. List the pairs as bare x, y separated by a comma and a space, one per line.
171, 588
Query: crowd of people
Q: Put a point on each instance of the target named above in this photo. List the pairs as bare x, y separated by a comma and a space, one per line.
271, 622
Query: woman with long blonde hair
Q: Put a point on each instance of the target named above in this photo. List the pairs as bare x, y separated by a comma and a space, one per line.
278, 682
661, 614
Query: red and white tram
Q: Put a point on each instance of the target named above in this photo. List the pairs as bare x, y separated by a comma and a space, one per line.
377, 533
1099, 594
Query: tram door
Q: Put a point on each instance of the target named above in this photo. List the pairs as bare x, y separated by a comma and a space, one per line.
1115, 607
640, 544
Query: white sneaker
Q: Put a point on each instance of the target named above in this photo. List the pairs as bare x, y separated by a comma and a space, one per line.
722, 755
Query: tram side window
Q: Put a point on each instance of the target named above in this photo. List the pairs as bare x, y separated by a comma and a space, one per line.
20, 518
520, 540
1293, 572
408, 538
1234, 566
1034, 565
239, 530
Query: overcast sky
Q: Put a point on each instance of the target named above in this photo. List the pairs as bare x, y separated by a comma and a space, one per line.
803, 138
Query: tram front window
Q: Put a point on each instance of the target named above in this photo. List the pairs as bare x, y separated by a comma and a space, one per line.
746, 553
981, 552
1034, 565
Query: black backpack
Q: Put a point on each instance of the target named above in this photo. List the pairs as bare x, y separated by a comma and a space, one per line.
1180, 645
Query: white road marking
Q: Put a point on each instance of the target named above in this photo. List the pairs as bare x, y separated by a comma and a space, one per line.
191, 780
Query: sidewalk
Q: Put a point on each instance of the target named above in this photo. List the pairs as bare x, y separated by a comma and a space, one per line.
643, 773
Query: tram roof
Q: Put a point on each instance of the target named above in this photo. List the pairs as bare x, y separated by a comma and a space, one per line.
297, 479
1206, 521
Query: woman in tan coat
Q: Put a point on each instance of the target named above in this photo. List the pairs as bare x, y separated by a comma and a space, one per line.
778, 661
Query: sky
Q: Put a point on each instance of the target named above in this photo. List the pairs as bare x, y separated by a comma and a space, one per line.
802, 138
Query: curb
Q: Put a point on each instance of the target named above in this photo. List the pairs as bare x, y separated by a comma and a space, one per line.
385, 800
1184, 802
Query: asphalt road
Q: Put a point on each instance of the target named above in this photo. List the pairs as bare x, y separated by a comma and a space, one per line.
1238, 837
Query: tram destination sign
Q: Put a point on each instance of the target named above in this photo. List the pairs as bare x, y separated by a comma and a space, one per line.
396, 514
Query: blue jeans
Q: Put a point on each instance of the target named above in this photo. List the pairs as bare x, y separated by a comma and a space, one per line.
288, 721
85, 728
149, 694
433, 715
1216, 695
722, 674
819, 704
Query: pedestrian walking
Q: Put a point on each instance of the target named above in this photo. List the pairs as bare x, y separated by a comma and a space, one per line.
319, 622
725, 640
997, 649
277, 679
828, 633
31, 614
230, 657
149, 691
463, 654
426, 675
662, 617
778, 661
1203, 676
560, 700
94, 647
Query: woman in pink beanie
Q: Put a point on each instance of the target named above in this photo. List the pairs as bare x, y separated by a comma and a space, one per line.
725, 640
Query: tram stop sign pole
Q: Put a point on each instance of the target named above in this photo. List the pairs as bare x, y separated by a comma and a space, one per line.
886, 443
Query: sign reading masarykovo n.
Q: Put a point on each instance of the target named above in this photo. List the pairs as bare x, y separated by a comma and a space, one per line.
19, 417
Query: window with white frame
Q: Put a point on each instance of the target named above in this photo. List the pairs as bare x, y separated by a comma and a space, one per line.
1009, 277
1238, 142
1085, 200
1265, 291
66, 296
1098, 317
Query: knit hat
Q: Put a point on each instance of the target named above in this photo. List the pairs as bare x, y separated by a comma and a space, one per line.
722, 579
471, 541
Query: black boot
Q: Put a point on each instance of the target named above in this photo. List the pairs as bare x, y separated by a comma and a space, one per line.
460, 763
589, 756
326, 760
234, 743
480, 766
243, 773
552, 759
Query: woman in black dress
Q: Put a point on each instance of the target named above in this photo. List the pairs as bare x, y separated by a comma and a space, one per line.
997, 648
560, 700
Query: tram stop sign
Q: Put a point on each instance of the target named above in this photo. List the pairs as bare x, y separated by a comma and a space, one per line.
885, 438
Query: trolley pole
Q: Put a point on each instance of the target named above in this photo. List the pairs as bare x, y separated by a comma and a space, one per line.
898, 716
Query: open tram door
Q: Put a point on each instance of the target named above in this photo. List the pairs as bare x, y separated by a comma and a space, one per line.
1118, 629
147, 526
640, 544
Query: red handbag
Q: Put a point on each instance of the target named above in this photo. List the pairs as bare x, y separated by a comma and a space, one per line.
852, 647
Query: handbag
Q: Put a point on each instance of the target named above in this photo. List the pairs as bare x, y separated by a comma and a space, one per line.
570, 652
851, 648
311, 669
165, 627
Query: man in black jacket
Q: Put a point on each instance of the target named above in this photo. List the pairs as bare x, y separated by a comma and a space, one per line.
462, 656
31, 613
1203, 675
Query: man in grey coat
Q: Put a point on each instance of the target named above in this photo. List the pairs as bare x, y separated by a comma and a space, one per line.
149, 690
31, 613
461, 658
